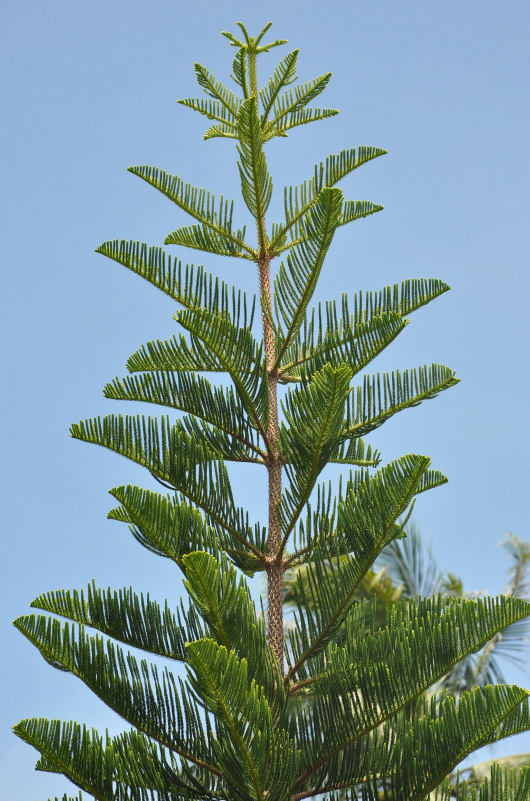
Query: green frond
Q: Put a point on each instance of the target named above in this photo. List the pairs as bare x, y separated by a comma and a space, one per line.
164, 525
137, 622
149, 771
132, 689
284, 74
257, 760
319, 524
195, 395
173, 354
216, 90
222, 444
174, 458
236, 352
357, 209
430, 748
221, 131
251, 42
292, 103
299, 199
296, 282
430, 480
377, 501
130, 764
380, 397
200, 204
164, 449
46, 766
301, 117
239, 74
204, 238
356, 453
213, 109
375, 321
413, 755
256, 183
223, 599
314, 416
190, 286
365, 523
80, 755
383, 672
178, 355
338, 343
403, 299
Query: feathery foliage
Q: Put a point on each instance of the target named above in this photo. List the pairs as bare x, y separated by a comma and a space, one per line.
346, 700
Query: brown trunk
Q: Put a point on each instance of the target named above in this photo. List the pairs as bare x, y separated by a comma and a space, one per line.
274, 469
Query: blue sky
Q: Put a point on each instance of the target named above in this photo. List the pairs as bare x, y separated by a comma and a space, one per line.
91, 88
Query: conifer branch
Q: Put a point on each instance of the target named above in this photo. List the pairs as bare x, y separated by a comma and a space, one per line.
412, 480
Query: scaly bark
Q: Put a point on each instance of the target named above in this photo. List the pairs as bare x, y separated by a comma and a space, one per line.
275, 567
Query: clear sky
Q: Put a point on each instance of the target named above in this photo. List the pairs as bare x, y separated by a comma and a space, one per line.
90, 88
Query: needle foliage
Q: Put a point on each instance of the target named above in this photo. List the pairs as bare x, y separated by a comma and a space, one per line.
334, 704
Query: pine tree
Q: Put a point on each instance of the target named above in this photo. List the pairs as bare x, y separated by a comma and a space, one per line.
268, 711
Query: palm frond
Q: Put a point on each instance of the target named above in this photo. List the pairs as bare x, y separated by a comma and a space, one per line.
412, 566
519, 570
